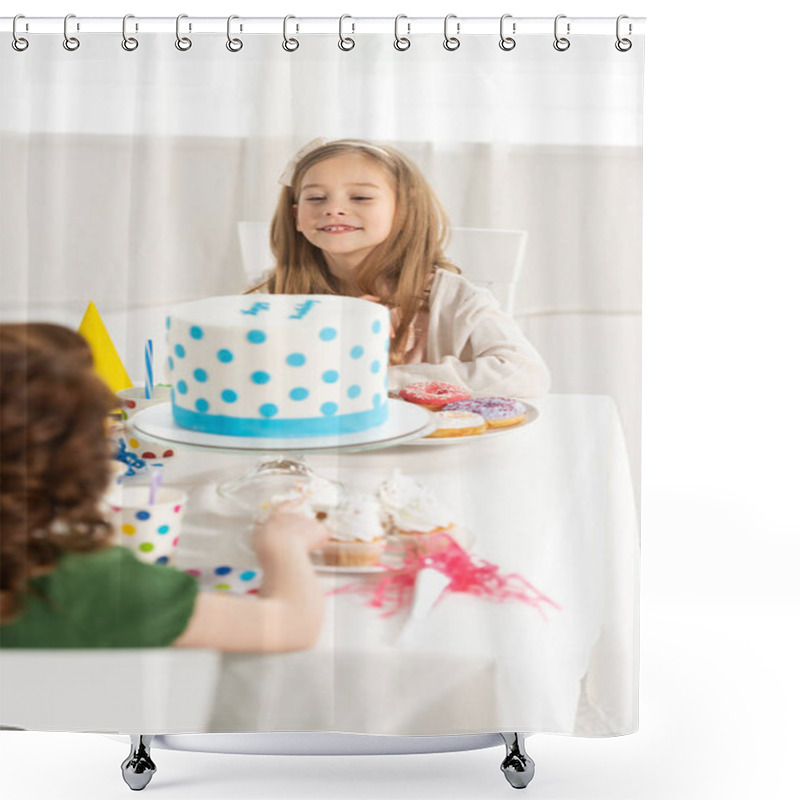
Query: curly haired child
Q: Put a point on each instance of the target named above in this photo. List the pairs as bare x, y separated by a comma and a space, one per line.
62, 584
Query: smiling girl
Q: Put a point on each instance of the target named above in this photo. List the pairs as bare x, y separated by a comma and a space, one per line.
358, 219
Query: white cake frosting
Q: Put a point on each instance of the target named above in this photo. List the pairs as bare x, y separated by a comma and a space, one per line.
279, 365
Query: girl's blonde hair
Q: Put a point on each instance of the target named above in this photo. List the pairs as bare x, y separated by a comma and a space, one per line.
398, 271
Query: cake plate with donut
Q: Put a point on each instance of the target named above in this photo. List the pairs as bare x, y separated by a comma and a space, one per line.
452, 432
459, 416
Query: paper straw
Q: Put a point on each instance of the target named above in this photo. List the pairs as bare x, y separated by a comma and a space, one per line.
148, 369
155, 483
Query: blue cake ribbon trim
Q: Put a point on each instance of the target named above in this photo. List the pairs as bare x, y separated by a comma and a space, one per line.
281, 428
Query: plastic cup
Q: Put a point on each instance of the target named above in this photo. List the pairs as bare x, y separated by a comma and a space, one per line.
151, 531
132, 400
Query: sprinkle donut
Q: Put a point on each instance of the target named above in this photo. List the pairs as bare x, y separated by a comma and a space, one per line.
499, 412
457, 423
434, 395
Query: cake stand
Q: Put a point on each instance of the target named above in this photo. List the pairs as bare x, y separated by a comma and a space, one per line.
406, 422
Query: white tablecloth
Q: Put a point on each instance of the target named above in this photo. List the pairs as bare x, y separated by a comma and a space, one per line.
552, 501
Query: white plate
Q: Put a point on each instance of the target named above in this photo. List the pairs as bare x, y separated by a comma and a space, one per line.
331, 570
406, 422
373, 569
531, 414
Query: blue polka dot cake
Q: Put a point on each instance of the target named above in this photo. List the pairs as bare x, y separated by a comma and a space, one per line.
279, 365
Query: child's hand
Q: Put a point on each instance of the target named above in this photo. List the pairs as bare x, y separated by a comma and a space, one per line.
285, 523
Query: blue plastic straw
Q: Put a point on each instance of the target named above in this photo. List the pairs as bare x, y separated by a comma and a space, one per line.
148, 369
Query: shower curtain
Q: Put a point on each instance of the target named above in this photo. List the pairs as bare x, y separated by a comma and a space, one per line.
140, 173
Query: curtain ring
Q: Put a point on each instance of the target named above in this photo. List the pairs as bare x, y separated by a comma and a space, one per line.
70, 42
289, 44
345, 42
401, 42
18, 42
233, 45
561, 43
506, 42
623, 45
183, 43
451, 42
129, 43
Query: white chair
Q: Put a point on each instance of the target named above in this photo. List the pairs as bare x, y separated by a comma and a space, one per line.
488, 257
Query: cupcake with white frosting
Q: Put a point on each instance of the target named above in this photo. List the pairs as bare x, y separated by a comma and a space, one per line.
322, 496
318, 496
357, 537
412, 512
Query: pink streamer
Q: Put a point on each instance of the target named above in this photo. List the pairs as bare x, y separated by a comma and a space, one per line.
468, 574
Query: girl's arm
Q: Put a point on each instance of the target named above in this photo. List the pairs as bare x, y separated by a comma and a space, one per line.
473, 343
288, 613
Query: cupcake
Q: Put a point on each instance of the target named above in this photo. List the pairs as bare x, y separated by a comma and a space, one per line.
413, 513
357, 537
319, 497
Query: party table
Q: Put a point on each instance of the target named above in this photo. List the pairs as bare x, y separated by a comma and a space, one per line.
551, 501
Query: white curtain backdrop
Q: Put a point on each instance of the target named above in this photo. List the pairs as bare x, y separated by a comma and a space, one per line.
125, 179
124, 175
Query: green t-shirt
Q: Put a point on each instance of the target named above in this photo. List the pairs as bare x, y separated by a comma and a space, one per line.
107, 598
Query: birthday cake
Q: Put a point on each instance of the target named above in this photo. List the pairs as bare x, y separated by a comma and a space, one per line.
279, 365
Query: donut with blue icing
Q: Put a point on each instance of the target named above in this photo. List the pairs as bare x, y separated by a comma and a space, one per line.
499, 412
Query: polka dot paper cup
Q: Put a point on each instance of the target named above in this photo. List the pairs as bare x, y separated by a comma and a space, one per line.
132, 400
151, 531
146, 448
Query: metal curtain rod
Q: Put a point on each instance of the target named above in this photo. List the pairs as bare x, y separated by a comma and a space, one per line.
462, 26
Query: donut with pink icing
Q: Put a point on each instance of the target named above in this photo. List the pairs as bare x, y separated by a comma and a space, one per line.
433, 394
499, 412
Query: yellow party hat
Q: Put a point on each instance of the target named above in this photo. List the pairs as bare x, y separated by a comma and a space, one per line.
107, 362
